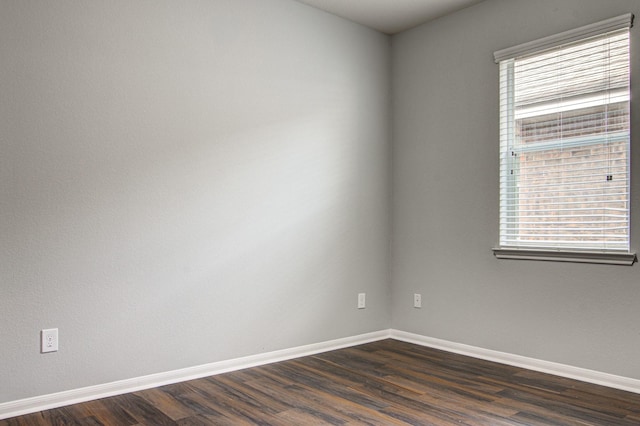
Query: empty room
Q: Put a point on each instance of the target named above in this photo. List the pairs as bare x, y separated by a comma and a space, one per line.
291, 212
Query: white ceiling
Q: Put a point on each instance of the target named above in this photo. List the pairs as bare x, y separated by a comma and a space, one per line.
390, 16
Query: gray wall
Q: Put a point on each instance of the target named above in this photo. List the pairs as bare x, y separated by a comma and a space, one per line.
445, 200
187, 182
183, 182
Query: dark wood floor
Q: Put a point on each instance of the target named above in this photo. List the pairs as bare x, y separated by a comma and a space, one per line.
383, 383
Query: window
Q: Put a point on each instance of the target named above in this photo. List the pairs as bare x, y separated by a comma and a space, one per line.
564, 146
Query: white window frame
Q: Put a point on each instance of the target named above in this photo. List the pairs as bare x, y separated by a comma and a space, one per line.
502, 57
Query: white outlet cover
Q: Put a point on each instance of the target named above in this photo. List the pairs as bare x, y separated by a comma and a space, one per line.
417, 300
49, 340
362, 300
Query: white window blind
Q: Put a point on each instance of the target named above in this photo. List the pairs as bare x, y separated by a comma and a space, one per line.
564, 145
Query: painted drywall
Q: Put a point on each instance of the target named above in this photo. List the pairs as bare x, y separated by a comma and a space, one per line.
183, 182
445, 200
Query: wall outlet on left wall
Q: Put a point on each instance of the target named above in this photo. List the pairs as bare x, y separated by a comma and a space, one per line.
362, 300
49, 340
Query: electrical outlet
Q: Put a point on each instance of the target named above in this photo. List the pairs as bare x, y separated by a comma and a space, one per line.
49, 340
362, 300
417, 300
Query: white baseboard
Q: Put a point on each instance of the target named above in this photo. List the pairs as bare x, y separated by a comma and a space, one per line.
74, 396
582, 374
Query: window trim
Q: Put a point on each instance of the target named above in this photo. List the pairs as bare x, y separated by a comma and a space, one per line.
576, 256
538, 46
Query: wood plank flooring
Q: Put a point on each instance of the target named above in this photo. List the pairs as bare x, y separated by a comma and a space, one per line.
382, 383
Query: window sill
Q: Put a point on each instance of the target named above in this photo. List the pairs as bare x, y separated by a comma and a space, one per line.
609, 258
